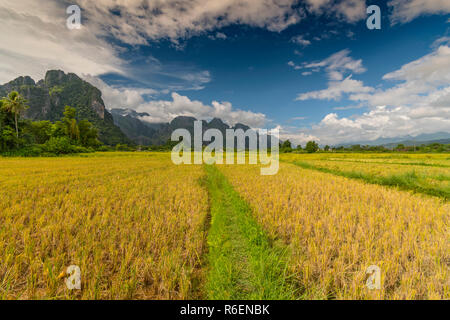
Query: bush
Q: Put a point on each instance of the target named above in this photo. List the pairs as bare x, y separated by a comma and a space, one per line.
31, 151
104, 148
59, 145
312, 147
124, 147
28, 151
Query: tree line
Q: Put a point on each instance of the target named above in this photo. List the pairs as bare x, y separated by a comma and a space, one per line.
19, 136
312, 147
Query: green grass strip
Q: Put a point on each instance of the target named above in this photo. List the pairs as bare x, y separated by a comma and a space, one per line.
421, 164
409, 181
242, 262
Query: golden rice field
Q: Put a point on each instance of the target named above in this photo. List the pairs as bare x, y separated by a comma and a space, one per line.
429, 173
137, 226
336, 227
134, 224
433, 169
436, 158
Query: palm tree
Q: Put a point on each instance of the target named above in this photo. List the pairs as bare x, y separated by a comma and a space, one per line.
15, 103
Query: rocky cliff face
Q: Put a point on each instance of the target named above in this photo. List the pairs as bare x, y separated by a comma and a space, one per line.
48, 97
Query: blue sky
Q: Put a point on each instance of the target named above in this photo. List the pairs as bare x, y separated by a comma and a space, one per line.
311, 68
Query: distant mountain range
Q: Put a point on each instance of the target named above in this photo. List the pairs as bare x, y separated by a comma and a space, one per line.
48, 97
146, 133
439, 137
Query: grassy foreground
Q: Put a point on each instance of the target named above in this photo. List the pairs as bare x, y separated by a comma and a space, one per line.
242, 262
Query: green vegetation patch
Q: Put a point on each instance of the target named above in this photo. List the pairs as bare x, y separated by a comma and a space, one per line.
243, 263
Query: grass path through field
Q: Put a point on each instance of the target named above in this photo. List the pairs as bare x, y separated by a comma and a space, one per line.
242, 262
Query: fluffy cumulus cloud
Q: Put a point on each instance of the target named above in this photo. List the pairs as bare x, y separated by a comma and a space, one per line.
348, 10
336, 89
407, 10
46, 43
380, 122
120, 97
166, 110
402, 10
418, 102
137, 21
295, 136
418, 84
337, 66
34, 38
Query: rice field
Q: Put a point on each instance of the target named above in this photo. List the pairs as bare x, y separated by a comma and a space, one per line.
429, 174
134, 224
140, 227
337, 227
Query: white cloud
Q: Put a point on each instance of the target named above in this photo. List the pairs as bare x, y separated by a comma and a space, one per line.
140, 20
420, 103
166, 110
218, 36
351, 10
34, 38
441, 41
359, 106
380, 122
295, 136
300, 40
120, 97
348, 10
432, 69
407, 10
420, 82
336, 89
317, 5
294, 66
298, 118
337, 65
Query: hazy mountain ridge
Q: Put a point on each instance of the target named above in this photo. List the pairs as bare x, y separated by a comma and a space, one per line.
146, 133
438, 137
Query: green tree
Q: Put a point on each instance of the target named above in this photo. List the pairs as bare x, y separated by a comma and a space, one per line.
312, 147
88, 134
356, 147
69, 119
41, 131
286, 146
327, 148
8, 139
15, 104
